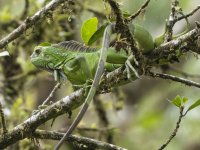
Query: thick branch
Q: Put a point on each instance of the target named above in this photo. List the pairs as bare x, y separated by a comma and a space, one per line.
27, 127
30, 21
170, 47
90, 143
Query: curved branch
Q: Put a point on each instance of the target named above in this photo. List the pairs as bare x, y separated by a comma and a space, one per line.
188, 15
26, 128
31, 21
90, 143
175, 131
133, 16
26, 9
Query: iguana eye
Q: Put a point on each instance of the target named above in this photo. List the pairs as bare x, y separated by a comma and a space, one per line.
38, 51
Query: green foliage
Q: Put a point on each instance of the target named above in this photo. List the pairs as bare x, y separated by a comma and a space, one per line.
159, 40
143, 37
194, 105
89, 27
97, 34
179, 101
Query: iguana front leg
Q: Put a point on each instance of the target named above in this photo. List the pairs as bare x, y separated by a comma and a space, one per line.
77, 70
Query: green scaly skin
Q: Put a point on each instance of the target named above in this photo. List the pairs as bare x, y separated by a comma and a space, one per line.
76, 66
80, 65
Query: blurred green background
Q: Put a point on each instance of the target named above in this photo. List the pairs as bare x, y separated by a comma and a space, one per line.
139, 114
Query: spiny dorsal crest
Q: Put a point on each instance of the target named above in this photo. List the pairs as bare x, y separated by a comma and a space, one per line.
74, 46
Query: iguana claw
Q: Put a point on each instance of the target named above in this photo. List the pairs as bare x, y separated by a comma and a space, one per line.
129, 67
86, 86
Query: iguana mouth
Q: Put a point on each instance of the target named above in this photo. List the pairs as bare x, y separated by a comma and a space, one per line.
41, 64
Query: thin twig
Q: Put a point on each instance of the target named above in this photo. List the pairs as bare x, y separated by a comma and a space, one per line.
170, 23
51, 94
175, 130
3, 121
26, 8
30, 21
132, 17
174, 78
188, 15
90, 143
185, 74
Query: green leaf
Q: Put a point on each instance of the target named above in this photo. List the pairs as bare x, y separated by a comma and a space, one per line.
159, 40
184, 100
45, 44
89, 27
4, 53
194, 105
177, 101
98, 34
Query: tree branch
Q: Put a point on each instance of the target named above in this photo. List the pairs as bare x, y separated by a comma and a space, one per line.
174, 78
170, 47
3, 120
184, 74
175, 130
26, 8
46, 101
31, 21
188, 15
133, 16
90, 143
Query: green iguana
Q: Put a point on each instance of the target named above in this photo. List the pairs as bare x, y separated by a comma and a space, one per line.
78, 63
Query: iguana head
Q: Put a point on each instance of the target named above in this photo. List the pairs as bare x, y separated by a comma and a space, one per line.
48, 57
